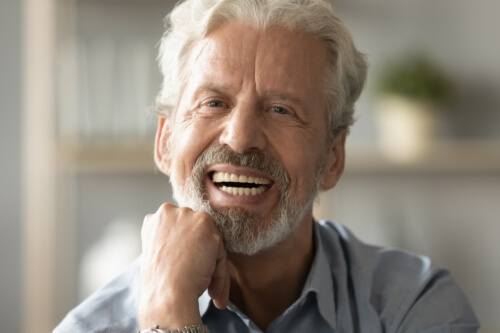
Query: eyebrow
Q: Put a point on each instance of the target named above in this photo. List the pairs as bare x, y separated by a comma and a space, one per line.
283, 96
212, 87
223, 89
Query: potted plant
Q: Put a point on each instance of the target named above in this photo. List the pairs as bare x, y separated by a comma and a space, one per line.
410, 95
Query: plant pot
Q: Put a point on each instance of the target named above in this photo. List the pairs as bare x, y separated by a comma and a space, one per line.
407, 128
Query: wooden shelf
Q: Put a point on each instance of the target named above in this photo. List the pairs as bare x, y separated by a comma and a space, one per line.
450, 157
134, 157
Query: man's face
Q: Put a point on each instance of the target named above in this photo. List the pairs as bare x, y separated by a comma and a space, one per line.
248, 141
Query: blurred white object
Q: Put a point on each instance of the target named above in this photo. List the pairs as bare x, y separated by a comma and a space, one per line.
407, 128
109, 255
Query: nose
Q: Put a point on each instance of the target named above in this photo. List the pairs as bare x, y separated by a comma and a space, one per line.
244, 129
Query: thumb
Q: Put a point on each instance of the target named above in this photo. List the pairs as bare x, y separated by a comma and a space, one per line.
220, 283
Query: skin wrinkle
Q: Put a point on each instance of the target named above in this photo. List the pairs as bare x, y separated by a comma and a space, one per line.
284, 70
221, 88
218, 92
208, 46
225, 87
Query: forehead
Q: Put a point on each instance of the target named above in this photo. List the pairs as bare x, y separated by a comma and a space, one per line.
274, 58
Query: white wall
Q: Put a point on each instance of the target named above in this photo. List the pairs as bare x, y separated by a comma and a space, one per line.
460, 35
10, 164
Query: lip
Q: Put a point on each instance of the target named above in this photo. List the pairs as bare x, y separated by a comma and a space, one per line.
258, 202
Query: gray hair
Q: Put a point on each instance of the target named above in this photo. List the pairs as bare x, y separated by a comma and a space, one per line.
192, 20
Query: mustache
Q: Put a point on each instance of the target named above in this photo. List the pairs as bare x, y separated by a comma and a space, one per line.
254, 159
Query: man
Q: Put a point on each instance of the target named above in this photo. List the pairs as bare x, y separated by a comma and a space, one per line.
255, 107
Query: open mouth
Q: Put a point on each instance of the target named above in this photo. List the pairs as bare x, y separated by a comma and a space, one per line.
240, 185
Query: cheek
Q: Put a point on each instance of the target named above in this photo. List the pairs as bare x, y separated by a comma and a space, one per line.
300, 154
188, 142
302, 169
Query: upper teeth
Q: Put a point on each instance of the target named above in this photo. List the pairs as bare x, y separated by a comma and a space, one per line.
220, 177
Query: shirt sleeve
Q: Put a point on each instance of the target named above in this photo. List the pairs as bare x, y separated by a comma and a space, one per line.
70, 325
111, 309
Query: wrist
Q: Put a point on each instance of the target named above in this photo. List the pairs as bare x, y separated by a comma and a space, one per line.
171, 314
187, 329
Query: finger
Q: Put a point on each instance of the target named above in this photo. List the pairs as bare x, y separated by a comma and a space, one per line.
227, 288
223, 296
230, 271
217, 286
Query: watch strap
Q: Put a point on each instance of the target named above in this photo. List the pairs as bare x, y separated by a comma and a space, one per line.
199, 328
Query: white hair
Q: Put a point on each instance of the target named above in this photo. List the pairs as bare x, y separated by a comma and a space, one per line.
192, 20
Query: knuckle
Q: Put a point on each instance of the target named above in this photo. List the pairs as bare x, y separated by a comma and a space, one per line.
165, 211
204, 222
184, 211
204, 219
166, 207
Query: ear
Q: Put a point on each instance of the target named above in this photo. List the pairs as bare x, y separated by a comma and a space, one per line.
161, 152
335, 162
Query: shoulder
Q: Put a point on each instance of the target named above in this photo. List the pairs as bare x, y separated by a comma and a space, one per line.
407, 292
110, 309
385, 266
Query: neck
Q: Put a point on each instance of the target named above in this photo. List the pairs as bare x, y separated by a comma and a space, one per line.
266, 284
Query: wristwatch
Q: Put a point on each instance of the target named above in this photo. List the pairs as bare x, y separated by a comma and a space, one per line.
187, 329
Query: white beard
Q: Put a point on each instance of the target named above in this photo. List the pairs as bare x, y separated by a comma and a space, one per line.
244, 232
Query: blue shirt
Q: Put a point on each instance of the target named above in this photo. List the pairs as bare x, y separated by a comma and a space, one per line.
351, 287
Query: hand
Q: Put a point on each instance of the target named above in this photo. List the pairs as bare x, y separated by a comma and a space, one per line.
182, 255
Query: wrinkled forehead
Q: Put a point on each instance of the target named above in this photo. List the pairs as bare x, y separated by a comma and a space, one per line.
277, 58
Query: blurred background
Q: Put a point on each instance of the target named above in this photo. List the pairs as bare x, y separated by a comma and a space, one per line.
78, 78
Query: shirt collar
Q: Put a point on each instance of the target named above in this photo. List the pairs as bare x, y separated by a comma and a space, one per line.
319, 281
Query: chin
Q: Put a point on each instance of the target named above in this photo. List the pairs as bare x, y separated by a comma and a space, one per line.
248, 234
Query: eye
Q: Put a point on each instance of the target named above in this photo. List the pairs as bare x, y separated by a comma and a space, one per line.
215, 103
279, 109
